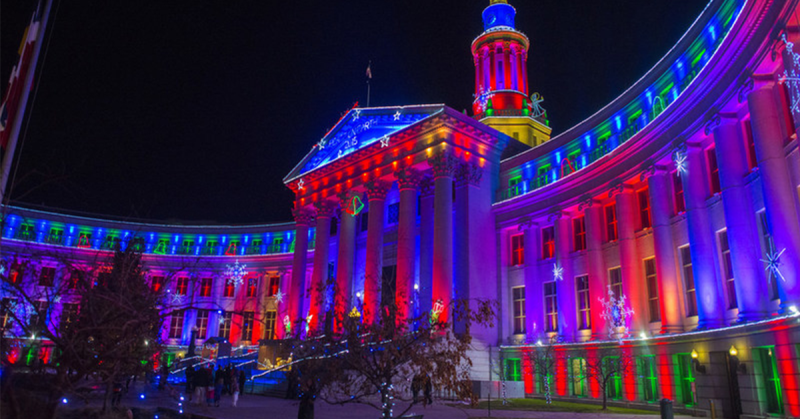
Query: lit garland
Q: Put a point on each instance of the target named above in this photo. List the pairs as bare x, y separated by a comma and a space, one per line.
791, 76
236, 272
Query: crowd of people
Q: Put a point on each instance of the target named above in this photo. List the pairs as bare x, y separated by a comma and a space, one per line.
213, 383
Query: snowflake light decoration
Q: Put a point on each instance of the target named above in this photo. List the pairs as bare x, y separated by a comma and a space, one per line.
558, 272
616, 314
236, 272
279, 296
791, 75
680, 162
773, 262
385, 141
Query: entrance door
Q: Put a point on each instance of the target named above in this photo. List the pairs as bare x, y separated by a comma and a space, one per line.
724, 369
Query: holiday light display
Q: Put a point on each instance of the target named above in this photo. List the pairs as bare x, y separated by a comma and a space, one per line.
354, 205
436, 311
558, 272
680, 162
773, 262
616, 314
236, 272
791, 76
279, 296
287, 326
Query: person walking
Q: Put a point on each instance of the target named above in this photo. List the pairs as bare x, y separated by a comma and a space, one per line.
428, 390
241, 378
219, 386
415, 387
235, 390
227, 377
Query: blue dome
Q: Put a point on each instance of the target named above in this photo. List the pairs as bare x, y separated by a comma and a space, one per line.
498, 14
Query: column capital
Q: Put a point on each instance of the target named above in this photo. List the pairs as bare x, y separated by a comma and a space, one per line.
468, 174
325, 208
408, 178
650, 168
556, 213
377, 189
302, 216
443, 164
526, 223
426, 187
618, 187
586, 201
344, 197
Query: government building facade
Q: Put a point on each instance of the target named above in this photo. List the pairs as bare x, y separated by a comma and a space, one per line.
665, 228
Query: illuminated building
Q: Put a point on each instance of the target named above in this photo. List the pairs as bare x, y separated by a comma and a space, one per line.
673, 195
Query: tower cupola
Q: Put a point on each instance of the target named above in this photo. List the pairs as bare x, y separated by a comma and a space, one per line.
500, 55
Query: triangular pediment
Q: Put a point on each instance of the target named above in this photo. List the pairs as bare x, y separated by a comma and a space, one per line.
360, 128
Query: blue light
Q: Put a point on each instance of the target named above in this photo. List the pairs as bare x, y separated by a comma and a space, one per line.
499, 14
64, 400
558, 157
246, 239
175, 238
588, 140
141, 396
618, 122
71, 229
224, 239
200, 239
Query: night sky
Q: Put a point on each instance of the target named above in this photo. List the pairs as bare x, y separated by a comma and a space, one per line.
196, 110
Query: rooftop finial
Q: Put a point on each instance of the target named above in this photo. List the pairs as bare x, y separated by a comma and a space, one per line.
491, 2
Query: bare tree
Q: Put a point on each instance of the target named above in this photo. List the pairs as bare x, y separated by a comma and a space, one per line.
543, 359
607, 364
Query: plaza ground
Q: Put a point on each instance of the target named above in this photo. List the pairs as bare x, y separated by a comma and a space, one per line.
257, 406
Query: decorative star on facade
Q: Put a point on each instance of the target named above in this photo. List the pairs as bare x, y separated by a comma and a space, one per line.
773, 262
397, 116
279, 296
176, 298
385, 141
301, 184
236, 272
357, 114
321, 144
558, 272
680, 162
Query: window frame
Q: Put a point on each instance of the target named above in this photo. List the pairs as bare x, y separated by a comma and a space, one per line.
579, 233
653, 297
518, 309
517, 246
612, 233
584, 302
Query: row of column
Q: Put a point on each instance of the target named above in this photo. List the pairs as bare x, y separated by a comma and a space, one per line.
750, 281
514, 61
436, 255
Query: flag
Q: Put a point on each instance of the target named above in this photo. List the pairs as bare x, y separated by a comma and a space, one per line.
15, 90
369, 70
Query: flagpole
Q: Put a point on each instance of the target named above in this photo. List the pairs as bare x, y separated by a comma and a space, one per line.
368, 88
369, 77
16, 125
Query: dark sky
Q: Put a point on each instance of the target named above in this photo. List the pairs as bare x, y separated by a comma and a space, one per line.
196, 110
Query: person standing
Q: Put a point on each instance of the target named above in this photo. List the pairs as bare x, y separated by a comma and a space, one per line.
235, 390
428, 390
241, 377
220, 384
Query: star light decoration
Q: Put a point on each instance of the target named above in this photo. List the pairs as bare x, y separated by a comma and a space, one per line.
558, 272
773, 262
236, 272
301, 184
357, 115
397, 116
385, 141
616, 314
680, 162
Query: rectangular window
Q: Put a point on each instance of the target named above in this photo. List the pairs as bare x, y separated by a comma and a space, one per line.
517, 249
677, 187
652, 289
578, 373
202, 324
212, 247
770, 379
686, 377
176, 325
247, 326
513, 369
252, 286
614, 389
225, 325
157, 283
74, 278
551, 307
727, 267
767, 246
644, 208
364, 220
47, 276
786, 109
394, 213
615, 280
611, 222
752, 161
188, 247
713, 171
647, 370
56, 236
274, 286
688, 281
518, 294
205, 287
579, 233
584, 313
269, 324
182, 286
548, 242
230, 287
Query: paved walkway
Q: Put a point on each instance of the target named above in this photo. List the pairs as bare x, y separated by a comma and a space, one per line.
261, 407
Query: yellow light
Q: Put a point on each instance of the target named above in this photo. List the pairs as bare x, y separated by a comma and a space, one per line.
733, 351
694, 354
